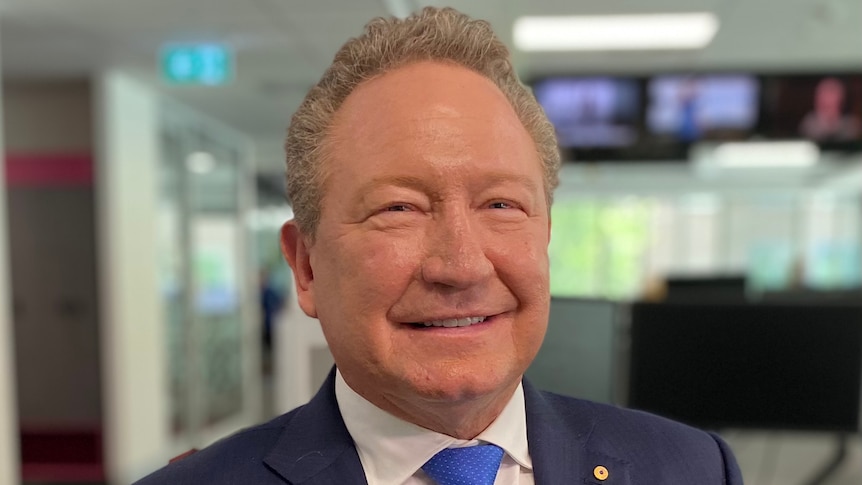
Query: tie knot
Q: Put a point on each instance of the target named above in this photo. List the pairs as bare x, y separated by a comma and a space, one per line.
473, 465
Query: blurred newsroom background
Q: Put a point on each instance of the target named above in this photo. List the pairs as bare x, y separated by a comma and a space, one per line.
705, 252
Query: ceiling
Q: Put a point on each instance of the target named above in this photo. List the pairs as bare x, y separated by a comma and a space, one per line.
283, 46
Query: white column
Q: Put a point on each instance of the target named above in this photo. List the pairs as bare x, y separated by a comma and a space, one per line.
137, 427
9, 460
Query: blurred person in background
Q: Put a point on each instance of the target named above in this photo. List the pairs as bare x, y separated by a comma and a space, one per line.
271, 304
689, 129
828, 120
421, 173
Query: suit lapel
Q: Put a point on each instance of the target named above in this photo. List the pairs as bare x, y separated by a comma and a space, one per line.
559, 440
315, 447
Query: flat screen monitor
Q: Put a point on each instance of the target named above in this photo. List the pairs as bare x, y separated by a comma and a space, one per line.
808, 296
593, 112
685, 108
706, 289
748, 366
579, 354
823, 108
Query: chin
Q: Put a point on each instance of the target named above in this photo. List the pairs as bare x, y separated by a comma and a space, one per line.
457, 383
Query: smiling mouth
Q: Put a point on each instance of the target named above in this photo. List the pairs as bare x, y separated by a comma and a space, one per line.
452, 322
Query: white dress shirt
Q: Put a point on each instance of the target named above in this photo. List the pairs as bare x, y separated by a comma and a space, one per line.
392, 451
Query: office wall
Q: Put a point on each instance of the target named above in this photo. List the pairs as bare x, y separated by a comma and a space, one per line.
134, 372
8, 420
48, 133
53, 116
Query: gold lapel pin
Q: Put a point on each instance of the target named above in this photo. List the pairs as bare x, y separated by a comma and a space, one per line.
601, 473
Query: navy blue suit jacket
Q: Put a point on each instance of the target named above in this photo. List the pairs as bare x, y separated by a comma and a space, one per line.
567, 439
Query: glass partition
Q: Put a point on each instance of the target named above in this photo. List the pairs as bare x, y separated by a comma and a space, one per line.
205, 269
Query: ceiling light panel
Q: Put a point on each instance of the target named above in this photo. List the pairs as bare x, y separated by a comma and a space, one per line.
615, 32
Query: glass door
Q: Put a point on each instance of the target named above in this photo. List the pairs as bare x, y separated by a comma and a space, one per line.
206, 280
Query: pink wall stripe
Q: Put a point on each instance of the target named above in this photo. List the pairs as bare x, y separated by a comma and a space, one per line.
49, 170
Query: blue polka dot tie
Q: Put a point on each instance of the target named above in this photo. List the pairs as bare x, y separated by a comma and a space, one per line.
473, 465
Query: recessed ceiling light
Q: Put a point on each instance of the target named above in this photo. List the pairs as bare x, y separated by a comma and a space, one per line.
615, 32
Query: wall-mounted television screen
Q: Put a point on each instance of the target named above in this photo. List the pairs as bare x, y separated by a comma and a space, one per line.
689, 108
591, 112
633, 118
822, 108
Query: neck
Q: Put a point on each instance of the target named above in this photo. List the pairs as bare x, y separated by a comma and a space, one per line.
462, 419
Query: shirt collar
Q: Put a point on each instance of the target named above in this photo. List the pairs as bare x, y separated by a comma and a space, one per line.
392, 450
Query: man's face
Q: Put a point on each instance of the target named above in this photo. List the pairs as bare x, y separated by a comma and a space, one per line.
434, 214
829, 96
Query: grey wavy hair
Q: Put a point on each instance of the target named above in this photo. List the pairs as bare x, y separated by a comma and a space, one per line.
433, 34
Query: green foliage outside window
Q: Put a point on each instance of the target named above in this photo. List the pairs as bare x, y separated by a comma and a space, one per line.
597, 248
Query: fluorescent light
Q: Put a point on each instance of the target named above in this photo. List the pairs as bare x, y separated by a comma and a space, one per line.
775, 154
200, 162
615, 32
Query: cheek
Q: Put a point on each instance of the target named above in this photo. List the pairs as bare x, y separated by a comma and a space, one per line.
522, 264
390, 263
522, 261
369, 273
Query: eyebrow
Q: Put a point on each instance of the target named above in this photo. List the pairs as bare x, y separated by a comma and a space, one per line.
419, 183
500, 178
406, 181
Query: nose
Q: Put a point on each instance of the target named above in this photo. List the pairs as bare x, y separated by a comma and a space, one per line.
455, 254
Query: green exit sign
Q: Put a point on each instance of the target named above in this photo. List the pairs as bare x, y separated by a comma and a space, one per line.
201, 64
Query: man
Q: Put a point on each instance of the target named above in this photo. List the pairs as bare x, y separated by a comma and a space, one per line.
828, 122
421, 171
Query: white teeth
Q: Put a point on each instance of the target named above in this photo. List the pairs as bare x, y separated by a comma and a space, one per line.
455, 322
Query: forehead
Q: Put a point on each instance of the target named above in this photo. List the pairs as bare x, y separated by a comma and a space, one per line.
428, 108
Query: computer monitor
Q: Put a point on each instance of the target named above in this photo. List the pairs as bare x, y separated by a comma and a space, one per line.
579, 355
807, 296
706, 289
748, 366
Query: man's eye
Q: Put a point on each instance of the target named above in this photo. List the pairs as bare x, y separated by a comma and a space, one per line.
501, 205
397, 208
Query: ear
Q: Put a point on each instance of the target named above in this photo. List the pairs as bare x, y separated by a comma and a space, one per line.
294, 247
